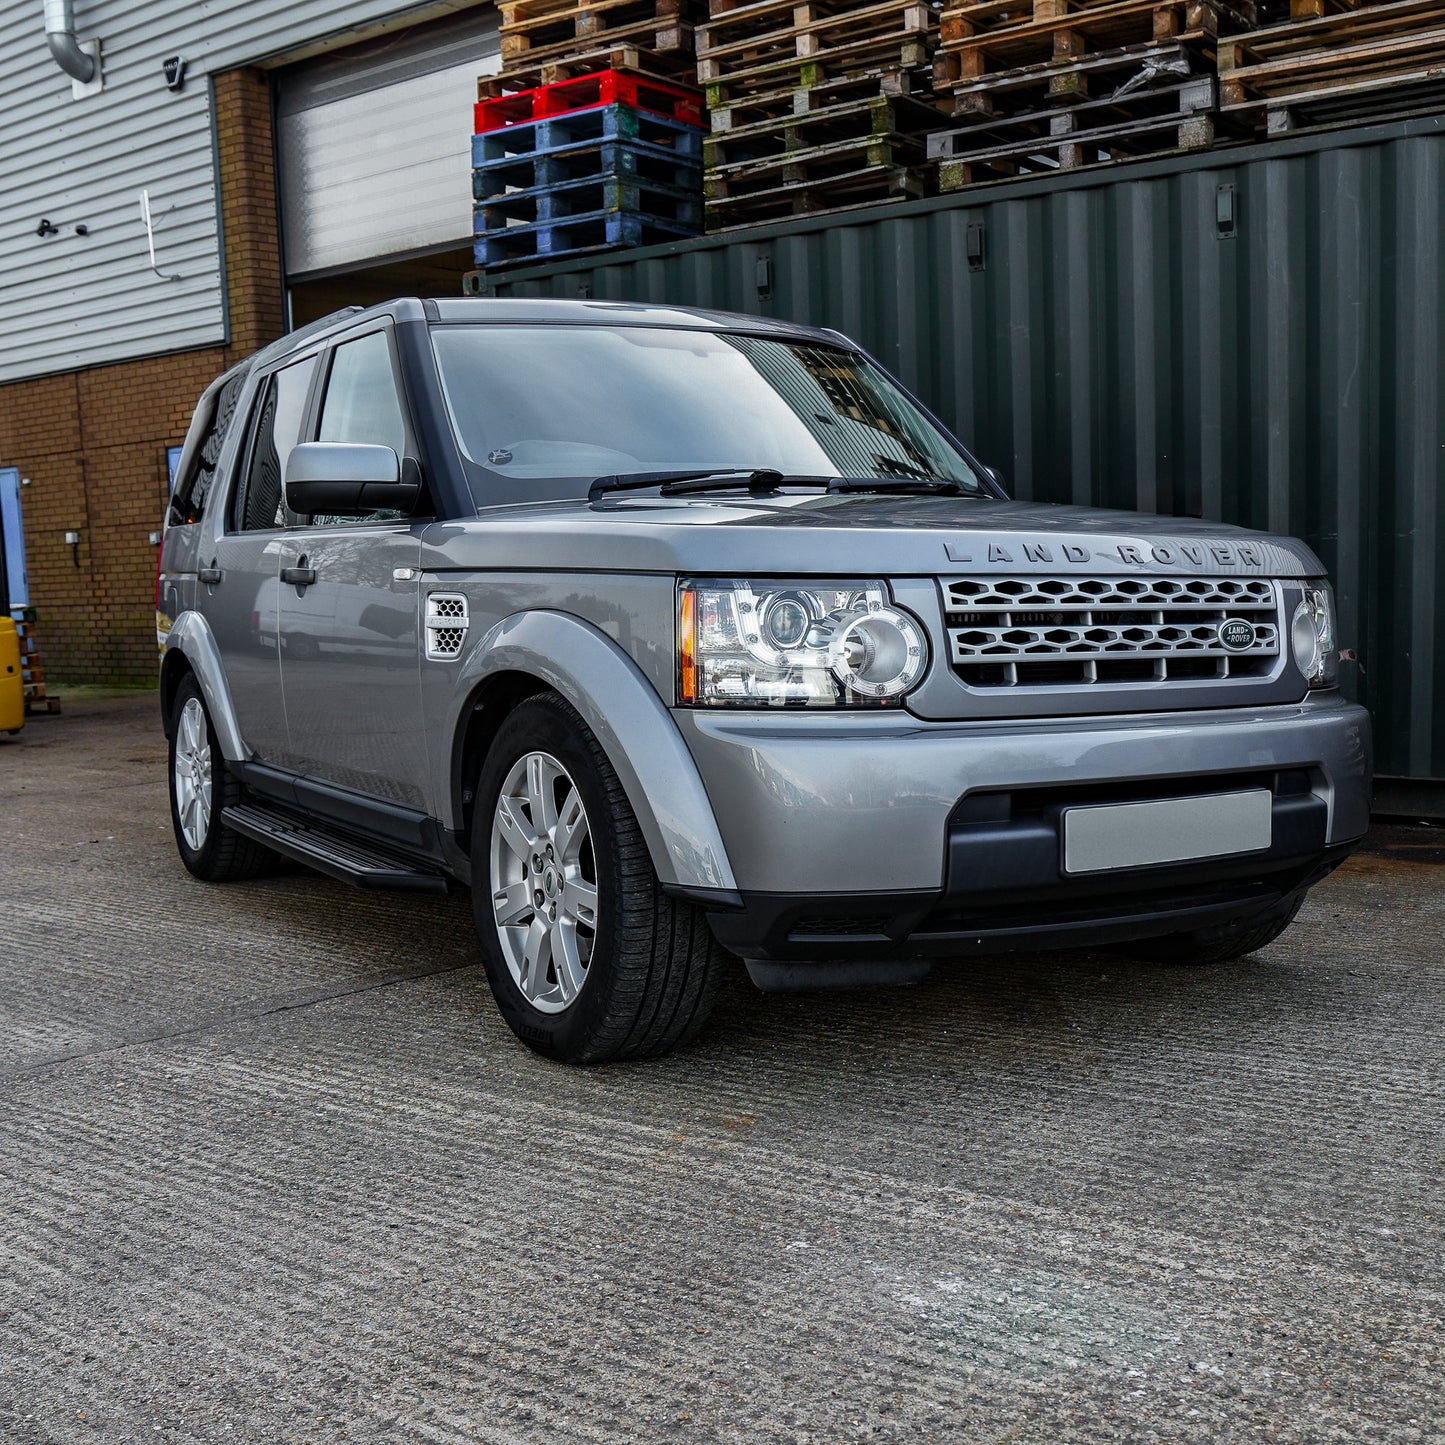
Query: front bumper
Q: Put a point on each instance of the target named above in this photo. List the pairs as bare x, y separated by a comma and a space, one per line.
861, 834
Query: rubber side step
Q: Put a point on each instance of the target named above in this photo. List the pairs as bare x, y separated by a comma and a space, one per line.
352, 862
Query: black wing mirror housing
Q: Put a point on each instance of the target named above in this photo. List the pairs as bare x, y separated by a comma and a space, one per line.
992, 474
348, 479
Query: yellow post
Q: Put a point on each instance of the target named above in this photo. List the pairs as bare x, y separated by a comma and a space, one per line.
12, 685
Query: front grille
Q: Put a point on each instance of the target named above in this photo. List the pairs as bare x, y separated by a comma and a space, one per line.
1087, 631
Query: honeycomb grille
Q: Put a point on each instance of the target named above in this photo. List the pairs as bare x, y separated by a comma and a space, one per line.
1089, 631
446, 625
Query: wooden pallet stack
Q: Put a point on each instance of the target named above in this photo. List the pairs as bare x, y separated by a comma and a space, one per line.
1046, 85
590, 137
583, 165
1336, 61
544, 41
32, 669
815, 104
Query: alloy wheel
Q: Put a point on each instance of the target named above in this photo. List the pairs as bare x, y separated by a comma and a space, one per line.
192, 769
544, 882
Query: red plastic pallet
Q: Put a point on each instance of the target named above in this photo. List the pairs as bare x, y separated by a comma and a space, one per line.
583, 92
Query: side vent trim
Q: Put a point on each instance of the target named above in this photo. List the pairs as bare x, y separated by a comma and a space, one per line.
447, 621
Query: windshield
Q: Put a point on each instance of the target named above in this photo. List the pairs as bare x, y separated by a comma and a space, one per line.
540, 404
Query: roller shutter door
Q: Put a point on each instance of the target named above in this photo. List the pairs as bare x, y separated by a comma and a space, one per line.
374, 146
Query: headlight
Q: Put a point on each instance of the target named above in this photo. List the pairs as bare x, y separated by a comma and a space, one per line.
795, 644
1312, 635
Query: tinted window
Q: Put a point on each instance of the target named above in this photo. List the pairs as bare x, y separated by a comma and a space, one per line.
361, 402
278, 427
194, 486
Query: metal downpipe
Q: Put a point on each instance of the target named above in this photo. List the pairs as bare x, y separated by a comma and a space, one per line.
64, 47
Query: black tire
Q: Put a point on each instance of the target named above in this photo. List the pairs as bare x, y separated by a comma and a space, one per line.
219, 854
1217, 945
654, 967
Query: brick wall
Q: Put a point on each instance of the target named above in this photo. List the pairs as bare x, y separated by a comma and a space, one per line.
93, 443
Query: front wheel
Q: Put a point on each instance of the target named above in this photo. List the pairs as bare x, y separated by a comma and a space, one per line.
589, 960
1218, 945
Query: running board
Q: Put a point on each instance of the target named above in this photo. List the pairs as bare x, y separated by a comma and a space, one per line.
356, 863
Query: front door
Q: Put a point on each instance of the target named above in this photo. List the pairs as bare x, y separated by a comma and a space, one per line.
236, 587
350, 641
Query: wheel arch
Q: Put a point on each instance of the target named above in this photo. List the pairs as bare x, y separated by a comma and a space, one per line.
534, 652
191, 650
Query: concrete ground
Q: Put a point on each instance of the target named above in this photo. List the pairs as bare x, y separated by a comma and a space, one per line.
272, 1169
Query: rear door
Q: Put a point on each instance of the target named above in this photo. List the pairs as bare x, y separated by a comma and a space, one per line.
237, 583
350, 649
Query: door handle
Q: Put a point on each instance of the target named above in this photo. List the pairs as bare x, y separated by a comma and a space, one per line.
299, 576
209, 576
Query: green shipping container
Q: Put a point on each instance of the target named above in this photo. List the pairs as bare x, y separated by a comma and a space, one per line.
1254, 334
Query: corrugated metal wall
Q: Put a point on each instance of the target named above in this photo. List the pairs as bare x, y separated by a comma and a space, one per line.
68, 301
375, 155
1255, 335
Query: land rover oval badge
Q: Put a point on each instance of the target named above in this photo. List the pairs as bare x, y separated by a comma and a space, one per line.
1236, 634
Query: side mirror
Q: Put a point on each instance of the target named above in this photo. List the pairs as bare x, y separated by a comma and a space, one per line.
347, 479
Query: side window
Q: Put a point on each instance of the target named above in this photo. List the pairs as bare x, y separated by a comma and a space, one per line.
361, 403
259, 503
194, 486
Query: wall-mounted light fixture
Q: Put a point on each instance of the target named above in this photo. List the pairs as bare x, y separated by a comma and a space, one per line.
72, 540
155, 539
48, 228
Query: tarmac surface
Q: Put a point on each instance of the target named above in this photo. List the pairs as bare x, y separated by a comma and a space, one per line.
273, 1169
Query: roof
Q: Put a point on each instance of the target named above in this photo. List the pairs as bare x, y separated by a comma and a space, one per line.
531, 310
498, 310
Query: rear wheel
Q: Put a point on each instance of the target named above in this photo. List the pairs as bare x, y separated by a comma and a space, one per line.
1218, 945
201, 786
589, 960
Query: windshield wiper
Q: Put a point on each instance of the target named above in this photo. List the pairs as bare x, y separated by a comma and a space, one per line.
758, 481
918, 486
765, 481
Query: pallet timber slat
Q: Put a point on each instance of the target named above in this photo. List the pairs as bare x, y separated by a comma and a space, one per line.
979, 41
531, 34
515, 79
879, 115
1090, 132
1376, 60
815, 104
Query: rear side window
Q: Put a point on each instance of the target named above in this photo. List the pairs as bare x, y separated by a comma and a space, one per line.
198, 479
279, 415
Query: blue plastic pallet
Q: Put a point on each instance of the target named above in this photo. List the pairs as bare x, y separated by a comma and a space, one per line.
604, 123
636, 161
574, 236
590, 196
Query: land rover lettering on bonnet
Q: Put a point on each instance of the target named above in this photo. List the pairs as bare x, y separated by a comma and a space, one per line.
690, 641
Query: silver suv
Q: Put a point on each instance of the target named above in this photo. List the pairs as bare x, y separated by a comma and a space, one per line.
678, 635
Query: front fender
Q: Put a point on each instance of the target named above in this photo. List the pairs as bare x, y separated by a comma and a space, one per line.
191, 637
627, 717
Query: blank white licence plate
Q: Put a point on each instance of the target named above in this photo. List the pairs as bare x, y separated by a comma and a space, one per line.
1169, 830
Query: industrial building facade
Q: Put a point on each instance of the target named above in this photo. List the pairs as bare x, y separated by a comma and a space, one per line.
1251, 332
227, 172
